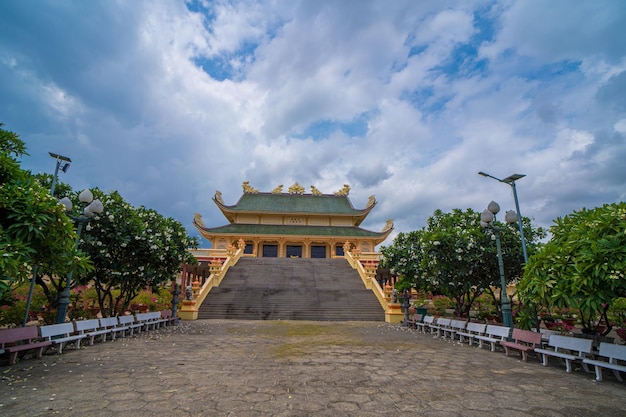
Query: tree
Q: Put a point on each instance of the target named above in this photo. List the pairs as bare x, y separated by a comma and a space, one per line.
33, 228
131, 249
454, 256
582, 266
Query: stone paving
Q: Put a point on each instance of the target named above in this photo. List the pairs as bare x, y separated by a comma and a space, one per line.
295, 368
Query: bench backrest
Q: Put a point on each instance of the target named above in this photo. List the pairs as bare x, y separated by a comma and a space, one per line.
441, 321
458, 324
166, 314
613, 351
126, 319
108, 322
429, 319
52, 330
18, 334
498, 331
571, 343
143, 317
476, 328
527, 336
86, 325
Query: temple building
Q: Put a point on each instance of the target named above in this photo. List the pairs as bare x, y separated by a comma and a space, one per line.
293, 224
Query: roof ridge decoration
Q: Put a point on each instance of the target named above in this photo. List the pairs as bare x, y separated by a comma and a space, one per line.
296, 189
315, 191
218, 197
371, 201
247, 189
388, 226
344, 191
278, 189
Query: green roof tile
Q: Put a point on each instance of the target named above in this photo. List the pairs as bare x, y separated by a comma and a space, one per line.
263, 229
295, 203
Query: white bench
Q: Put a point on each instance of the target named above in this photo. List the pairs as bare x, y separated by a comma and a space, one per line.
613, 354
493, 335
440, 325
149, 320
471, 331
130, 324
61, 335
455, 327
568, 348
92, 329
113, 325
424, 324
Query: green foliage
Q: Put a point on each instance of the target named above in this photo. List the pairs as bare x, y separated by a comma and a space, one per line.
454, 256
132, 249
13, 305
33, 228
582, 266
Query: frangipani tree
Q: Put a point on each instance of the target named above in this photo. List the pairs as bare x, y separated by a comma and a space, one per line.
582, 266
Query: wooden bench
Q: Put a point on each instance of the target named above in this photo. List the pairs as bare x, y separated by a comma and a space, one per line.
129, 323
471, 331
439, 326
613, 354
61, 335
525, 341
21, 340
424, 325
493, 335
455, 327
92, 329
568, 348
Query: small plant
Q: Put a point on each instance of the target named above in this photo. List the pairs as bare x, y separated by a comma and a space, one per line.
441, 303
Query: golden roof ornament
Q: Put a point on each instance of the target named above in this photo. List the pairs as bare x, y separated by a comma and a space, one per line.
371, 201
315, 191
388, 225
344, 191
218, 197
296, 189
278, 190
197, 219
247, 189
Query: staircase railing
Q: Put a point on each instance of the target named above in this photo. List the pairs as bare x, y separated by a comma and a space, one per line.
218, 269
366, 264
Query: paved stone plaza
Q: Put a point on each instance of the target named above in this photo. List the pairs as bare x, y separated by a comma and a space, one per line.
295, 368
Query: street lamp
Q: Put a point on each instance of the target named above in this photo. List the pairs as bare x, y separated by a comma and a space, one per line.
487, 220
510, 180
63, 163
91, 207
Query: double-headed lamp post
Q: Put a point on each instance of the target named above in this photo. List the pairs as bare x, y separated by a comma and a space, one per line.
487, 220
510, 180
91, 208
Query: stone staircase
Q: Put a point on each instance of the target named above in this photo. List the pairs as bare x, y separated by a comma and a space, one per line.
292, 289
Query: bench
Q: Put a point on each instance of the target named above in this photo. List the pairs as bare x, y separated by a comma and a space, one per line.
440, 325
424, 324
614, 354
525, 341
92, 329
114, 326
455, 327
568, 348
129, 323
471, 330
21, 340
412, 322
61, 335
494, 334
149, 320
166, 315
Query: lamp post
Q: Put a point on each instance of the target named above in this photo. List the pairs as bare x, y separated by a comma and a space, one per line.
510, 180
63, 163
91, 207
487, 220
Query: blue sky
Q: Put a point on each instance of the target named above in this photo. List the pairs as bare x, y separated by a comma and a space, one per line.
170, 101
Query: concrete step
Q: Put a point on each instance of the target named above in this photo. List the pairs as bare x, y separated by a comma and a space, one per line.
292, 289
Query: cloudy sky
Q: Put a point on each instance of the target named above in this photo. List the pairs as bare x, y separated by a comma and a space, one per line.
169, 101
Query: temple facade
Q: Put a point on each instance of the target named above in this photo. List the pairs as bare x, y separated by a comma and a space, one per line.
293, 224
